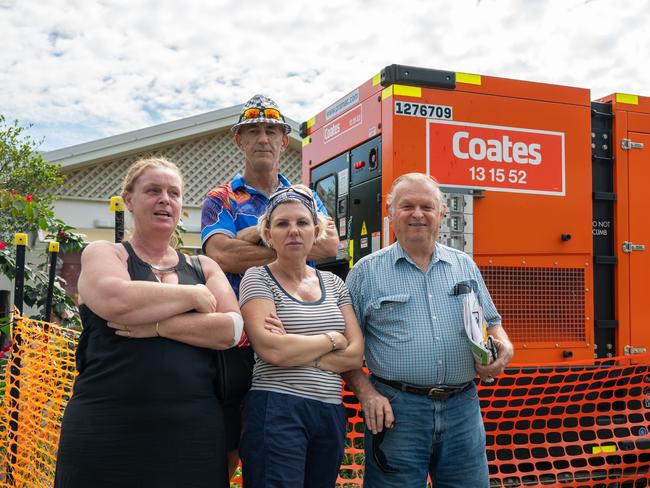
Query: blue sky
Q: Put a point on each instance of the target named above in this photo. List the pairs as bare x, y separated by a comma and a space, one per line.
79, 70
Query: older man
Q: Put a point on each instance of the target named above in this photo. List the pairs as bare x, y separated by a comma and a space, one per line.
420, 404
230, 213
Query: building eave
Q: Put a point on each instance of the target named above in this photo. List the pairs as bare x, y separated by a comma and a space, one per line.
93, 152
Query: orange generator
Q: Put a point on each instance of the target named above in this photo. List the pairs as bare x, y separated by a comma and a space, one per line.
544, 189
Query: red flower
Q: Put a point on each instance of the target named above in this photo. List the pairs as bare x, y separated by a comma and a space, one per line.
61, 233
3, 245
13, 191
28, 198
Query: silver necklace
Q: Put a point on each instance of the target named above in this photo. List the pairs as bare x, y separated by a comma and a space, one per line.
162, 269
159, 269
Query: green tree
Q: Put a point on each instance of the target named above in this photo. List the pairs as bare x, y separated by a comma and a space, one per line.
26, 205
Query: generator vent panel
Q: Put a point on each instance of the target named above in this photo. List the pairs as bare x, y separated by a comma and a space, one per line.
539, 304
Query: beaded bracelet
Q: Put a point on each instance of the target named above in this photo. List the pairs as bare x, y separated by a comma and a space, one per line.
329, 336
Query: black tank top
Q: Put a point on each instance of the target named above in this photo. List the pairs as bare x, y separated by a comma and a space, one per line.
143, 412
155, 370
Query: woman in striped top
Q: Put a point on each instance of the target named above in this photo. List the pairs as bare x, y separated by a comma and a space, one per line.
304, 332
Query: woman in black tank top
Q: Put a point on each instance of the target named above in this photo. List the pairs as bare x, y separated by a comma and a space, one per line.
144, 412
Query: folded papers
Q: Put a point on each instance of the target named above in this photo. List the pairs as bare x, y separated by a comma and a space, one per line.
483, 348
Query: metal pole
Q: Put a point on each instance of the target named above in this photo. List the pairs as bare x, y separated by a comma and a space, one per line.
5, 314
117, 206
20, 242
53, 250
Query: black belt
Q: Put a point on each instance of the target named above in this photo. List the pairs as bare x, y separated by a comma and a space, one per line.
433, 392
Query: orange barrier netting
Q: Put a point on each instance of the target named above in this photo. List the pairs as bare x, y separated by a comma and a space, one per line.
44, 383
568, 426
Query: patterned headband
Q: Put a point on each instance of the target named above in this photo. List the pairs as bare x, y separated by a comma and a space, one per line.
290, 194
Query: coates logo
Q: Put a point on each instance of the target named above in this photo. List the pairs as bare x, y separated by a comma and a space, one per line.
501, 150
342, 124
496, 157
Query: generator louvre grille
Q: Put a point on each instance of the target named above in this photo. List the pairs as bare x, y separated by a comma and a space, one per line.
539, 304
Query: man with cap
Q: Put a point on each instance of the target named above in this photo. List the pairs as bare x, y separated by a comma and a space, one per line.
230, 213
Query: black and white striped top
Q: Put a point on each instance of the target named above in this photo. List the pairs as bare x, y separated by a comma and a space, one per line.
308, 318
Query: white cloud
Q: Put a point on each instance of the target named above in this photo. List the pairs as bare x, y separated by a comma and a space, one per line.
80, 70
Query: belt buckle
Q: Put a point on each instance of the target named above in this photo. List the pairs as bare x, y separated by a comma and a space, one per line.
436, 392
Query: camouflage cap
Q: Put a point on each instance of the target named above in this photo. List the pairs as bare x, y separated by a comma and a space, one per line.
261, 103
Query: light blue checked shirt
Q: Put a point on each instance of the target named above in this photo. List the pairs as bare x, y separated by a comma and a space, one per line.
411, 320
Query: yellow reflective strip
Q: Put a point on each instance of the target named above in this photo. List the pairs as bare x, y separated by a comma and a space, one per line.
387, 92
407, 91
311, 122
305, 141
595, 450
609, 448
53, 247
376, 79
625, 98
468, 78
351, 253
20, 240
116, 204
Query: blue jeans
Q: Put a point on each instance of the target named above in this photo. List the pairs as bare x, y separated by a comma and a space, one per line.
289, 441
445, 439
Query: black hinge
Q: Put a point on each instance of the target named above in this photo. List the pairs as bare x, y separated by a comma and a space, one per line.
605, 260
606, 324
604, 195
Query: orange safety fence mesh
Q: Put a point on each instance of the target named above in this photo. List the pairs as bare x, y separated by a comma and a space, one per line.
45, 355
568, 425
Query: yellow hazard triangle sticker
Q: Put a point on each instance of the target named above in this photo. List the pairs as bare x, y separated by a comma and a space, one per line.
364, 231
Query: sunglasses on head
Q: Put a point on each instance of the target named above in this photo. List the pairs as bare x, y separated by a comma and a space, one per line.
256, 113
291, 189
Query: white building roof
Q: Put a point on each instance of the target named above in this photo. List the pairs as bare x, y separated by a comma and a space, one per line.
79, 155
